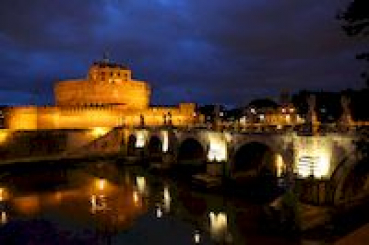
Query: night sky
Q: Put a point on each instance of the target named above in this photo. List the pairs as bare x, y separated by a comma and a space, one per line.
217, 51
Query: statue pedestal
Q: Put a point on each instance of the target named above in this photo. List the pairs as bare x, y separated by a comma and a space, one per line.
214, 168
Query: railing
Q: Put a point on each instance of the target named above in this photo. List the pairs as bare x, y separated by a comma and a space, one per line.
264, 128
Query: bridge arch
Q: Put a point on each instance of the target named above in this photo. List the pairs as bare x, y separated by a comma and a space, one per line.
154, 145
356, 182
191, 151
255, 159
155, 149
350, 180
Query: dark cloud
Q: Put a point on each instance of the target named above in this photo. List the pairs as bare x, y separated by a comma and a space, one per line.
223, 51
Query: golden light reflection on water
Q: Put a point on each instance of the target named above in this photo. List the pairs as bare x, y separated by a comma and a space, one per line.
167, 199
196, 237
107, 203
218, 224
115, 205
3, 218
94, 201
135, 197
27, 205
4, 195
101, 184
141, 184
158, 211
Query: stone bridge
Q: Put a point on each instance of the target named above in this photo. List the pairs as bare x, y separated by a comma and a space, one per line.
324, 165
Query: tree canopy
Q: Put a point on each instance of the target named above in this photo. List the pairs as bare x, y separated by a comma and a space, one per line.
355, 23
263, 103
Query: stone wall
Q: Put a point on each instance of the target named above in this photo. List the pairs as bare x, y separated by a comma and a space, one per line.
130, 94
83, 117
42, 143
21, 118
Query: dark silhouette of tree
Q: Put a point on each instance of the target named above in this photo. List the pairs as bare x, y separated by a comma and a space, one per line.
263, 103
356, 24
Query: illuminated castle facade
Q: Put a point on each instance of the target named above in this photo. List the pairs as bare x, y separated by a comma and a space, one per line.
108, 97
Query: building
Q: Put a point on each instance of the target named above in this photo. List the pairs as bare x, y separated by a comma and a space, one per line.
2, 117
268, 112
107, 97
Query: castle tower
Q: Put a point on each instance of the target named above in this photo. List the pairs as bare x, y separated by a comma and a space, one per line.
346, 117
107, 84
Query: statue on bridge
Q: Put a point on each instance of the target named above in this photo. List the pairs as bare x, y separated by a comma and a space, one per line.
346, 118
142, 120
312, 118
169, 119
164, 119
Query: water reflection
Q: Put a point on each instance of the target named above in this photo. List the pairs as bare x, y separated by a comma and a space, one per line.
141, 184
196, 237
98, 203
26, 205
3, 199
218, 225
3, 218
158, 212
125, 204
101, 184
167, 199
3, 194
136, 198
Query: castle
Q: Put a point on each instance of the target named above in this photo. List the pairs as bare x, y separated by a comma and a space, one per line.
108, 97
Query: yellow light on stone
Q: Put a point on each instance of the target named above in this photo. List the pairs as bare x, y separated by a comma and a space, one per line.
313, 157
165, 145
4, 134
228, 136
217, 148
288, 118
322, 165
141, 184
3, 194
141, 136
279, 164
100, 131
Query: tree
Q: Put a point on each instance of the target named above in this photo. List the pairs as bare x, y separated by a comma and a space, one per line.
356, 24
263, 103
